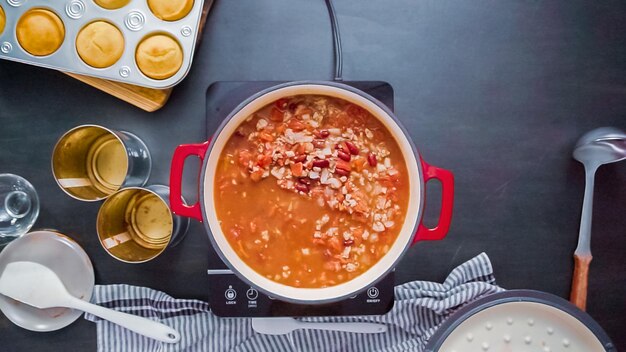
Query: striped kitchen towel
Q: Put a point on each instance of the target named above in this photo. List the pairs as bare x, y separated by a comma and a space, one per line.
419, 309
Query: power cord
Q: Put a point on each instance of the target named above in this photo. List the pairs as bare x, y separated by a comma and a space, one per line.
336, 41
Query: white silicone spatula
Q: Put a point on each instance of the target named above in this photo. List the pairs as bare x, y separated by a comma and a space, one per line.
281, 326
38, 286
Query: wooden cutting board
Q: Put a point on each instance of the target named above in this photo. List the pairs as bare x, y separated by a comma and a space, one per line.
148, 99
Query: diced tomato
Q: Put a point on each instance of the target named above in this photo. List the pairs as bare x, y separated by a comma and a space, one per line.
361, 206
359, 163
281, 128
264, 160
244, 157
357, 235
319, 241
266, 137
282, 103
257, 175
296, 125
388, 180
334, 243
296, 169
344, 165
276, 115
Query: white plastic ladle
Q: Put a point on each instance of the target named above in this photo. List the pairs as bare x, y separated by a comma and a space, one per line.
38, 286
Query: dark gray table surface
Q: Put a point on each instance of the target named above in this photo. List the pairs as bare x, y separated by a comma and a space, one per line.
496, 91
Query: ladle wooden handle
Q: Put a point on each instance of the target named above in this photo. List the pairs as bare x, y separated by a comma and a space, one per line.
578, 295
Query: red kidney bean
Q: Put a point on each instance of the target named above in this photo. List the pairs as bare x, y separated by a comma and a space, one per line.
305, 181
300, 158
324, 134
293, 107
343, 156
352, 148
321, 163
348, 242
342, 172
371, 159
302, 187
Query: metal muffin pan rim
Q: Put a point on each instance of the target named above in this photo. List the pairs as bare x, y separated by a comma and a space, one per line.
125, 70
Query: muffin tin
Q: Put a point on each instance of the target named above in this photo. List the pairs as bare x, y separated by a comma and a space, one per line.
135, 20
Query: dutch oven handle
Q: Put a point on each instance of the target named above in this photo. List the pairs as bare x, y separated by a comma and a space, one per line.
447, 200
176, 179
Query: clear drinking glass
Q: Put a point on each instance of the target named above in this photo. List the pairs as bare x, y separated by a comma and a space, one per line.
19, 207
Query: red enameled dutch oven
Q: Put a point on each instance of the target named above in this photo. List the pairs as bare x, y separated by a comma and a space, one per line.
412, 231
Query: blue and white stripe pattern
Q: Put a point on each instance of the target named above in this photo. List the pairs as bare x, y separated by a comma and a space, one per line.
420, 307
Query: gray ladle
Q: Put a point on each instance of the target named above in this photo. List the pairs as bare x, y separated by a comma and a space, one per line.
601, 134
598, 147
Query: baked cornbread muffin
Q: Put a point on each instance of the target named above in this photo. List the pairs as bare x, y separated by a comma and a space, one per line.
3, 20
100, 44
159, 56
112, 4
170, 10
40, 32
